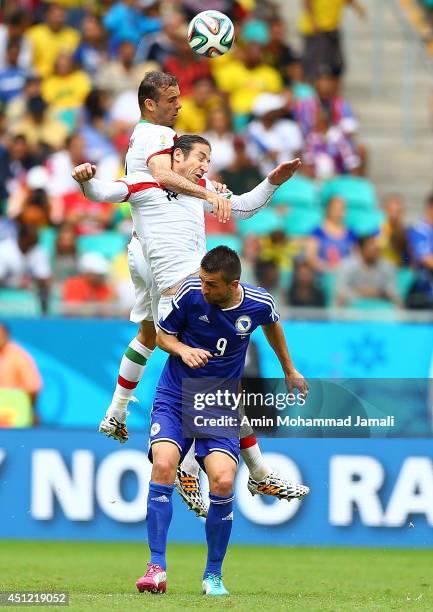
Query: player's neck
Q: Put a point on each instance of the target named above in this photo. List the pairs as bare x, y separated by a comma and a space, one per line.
235, 299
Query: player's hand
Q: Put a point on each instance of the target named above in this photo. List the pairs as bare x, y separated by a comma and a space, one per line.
195, 357
283, 172
295, 380
220, 187
84, 172
222, 207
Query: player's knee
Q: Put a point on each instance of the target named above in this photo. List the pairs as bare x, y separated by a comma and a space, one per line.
222, 484
164, 470
147, 334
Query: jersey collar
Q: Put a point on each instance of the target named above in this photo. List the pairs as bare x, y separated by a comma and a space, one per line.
239, 303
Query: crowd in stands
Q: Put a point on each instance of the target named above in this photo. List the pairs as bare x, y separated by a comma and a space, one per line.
69, 73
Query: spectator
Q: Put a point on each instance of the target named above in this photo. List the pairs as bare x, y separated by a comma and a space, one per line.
127, 20
421, 246
366, 275
17, 107
12, 76
24, 263
18, 371
221, 139
197, 106
30, 203
90, 286
242, 175
66, 89
184, 64
161, 44
66, 258
268, 276
328, 100
43, 133
332, 242
51, 38
243, 75
122, 74
276, 52
270, 138
15, 161
13, 29
92, 51
98, 133
299, 88
393, 233
250, 255
280, 249
320, 26
329, 150
304, 290
61, 164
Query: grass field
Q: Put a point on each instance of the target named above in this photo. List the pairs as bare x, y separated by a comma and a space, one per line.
101, 576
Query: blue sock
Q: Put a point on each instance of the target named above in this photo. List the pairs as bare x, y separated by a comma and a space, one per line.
159, 513
218, 529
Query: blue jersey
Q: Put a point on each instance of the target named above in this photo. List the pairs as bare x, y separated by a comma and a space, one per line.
224, 332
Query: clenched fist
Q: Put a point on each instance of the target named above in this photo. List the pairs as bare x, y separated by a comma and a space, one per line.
84, 172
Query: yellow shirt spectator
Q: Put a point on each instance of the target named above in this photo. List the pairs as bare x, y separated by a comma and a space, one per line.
244, 83
328, 14
193, 118
65, 92
47, 45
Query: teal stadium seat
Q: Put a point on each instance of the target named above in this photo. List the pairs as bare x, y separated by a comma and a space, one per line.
19, 303
47, 240
262, 223
371, 304
299, 222
109, 244
299, 192
364, 222
405, 279
358, 192
229, 240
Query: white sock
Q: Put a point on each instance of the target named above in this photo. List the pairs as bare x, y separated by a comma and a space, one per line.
189, 464
131, 370
255, 463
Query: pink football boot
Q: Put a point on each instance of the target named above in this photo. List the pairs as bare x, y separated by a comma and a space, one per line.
154, 580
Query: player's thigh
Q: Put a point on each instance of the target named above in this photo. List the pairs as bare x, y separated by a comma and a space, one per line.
142, 280
166, 426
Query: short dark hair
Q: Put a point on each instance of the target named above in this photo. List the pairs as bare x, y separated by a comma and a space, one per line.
363, 239
186, 142
151, 85
224, 260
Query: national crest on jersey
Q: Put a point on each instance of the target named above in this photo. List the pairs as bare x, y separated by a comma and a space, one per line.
224, 332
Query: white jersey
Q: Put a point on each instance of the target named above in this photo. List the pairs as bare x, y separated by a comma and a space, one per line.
147, 140
170, 227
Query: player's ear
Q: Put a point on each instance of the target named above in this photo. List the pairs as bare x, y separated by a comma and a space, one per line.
150, 105
235, 284
177, 154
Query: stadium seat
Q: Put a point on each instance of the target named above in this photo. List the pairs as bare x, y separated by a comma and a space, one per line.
371, 304
263, 223
108, 244
299, 222
405, 278
233, 242
358, 192
47, 240
364, 222
19, 303
299, 192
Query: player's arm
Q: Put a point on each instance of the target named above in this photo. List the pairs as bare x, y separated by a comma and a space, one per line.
275, 336
160, 167
192, 357
96, 190
248, 204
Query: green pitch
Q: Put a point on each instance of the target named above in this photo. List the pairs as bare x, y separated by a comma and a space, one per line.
101, 576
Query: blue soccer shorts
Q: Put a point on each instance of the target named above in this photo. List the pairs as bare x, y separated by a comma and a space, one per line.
166, 426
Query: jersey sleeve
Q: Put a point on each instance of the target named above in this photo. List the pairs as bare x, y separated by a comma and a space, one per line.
267, 312
157, 141
175, 321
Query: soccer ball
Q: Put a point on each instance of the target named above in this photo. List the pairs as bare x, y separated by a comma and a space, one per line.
211, 33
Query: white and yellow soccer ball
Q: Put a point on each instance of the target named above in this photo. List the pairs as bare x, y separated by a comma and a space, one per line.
211, 33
